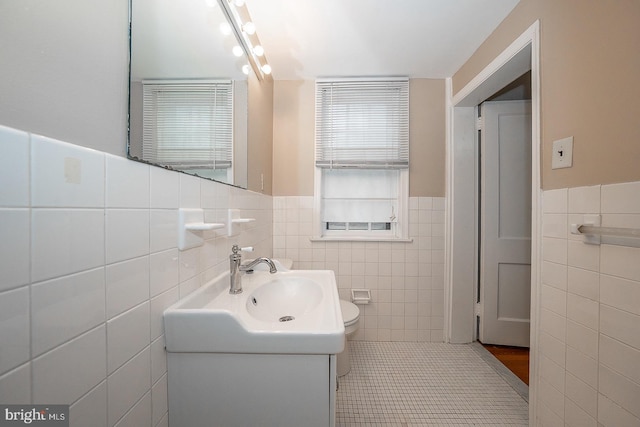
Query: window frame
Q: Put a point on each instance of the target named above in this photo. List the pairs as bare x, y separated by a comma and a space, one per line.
399, 229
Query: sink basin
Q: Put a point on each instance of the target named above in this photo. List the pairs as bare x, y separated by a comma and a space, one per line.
288, 312
284, 299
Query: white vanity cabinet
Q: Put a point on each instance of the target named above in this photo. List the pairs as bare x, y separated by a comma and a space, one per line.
279, 390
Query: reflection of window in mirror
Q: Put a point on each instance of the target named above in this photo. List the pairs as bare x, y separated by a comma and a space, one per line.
188, 126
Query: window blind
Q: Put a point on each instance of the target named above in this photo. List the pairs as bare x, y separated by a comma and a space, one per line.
188, 125
362, 124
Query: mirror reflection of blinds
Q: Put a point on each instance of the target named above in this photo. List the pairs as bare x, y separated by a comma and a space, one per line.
362, 124
188, 125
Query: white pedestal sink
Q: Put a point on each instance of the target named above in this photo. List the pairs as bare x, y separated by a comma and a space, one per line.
263, 357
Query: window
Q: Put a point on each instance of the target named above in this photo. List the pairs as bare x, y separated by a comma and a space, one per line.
189, 126
362, 158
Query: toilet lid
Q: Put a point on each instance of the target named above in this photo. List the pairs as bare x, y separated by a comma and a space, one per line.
350, 312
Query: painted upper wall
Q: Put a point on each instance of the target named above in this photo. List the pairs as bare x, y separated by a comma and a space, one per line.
64, 70
589, 88
294, 138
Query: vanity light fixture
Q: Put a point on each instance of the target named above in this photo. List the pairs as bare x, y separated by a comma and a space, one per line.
225, 28
249, 28
239, 19
258, 50
237, 51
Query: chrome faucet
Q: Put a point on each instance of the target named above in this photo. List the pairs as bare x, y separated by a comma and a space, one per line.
236, 267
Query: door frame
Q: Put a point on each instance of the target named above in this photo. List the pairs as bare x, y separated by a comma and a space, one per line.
461, 219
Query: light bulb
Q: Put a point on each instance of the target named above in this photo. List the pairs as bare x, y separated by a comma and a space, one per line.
225, 28
249, 28
246, 69
266, 68
237, 51
258, 50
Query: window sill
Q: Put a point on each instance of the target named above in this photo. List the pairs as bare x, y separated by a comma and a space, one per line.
360, 239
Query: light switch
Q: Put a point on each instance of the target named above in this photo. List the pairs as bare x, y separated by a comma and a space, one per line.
562, 156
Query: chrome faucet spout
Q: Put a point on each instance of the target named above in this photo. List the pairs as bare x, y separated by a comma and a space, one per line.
236, 268
269, 262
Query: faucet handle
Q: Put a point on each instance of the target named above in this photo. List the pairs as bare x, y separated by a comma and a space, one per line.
236, 249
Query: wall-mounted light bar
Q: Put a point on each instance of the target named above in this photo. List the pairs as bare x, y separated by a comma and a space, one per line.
238, 17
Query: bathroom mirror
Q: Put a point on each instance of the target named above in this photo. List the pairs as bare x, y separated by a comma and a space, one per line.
188, 91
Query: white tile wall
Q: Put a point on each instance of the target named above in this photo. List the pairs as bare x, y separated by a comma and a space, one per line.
589, 344
88, 263
406, 279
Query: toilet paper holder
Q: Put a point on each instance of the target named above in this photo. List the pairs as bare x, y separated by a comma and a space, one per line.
360, 296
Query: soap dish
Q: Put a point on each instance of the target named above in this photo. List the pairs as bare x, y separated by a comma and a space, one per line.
360, 296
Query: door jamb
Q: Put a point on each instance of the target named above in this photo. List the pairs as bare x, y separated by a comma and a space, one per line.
460, 224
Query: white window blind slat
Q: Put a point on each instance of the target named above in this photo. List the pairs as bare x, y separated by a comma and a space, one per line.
188, 125
362, 124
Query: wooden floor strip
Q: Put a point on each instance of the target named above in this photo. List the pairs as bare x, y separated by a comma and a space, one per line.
516, 359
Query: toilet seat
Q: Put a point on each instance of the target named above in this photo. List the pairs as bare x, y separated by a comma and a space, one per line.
350, 313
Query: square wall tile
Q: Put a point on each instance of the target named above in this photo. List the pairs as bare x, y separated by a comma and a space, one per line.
583, 310
65, 241
14, 167
164, 268
91, 409
582, 255
127, 334
189, 191
15, 386
582, 339
163, 225
66, 307
621, 198
620, 293
584, 200
79, 364
611, 414
555, 201
584, 282
582, 367
127, 285
158, 305
619, 389
158, 359
140, 414
127, 232
14, 248
621, 261
127, 183
128, 384
164, 188
65, 175
585, 396
14, 328
620, 357
160, 400
620, 325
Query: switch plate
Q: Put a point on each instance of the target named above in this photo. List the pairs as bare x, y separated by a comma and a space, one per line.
562, 156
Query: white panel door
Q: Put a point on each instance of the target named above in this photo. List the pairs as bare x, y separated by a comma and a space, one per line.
505, 218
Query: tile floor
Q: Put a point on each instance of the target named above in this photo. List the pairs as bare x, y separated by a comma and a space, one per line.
428, 384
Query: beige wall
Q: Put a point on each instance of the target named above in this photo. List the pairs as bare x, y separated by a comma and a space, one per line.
589, 84
294, 127
260, 135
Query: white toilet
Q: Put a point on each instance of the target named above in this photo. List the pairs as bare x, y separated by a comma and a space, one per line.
351, 316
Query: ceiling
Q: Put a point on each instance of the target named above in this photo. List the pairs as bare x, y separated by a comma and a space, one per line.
306, 39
